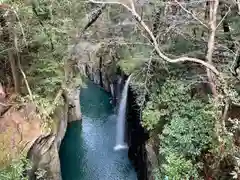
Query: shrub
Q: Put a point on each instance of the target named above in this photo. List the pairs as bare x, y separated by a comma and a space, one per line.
15, 171
185, 126
179, 168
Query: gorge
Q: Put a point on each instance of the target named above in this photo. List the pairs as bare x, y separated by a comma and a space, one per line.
158, 84
87, 150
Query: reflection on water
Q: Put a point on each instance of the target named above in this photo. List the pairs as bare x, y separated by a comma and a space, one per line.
87, 150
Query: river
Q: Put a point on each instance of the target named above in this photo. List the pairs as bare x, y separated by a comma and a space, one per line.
87, 150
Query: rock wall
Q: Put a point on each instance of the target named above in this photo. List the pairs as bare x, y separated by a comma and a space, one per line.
137, 138
152, 159
19, 128
100, 67
44, 153
112, 83
45, 160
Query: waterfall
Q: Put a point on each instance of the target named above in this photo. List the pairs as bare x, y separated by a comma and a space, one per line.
121, 118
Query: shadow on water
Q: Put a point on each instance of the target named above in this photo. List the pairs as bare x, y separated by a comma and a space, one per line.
72, 153
95, 102
87, 150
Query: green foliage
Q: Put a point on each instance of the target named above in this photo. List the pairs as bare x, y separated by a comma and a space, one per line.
129, 65
180, 45
190, 130
16, 170
151, 116
48, 26
184, 124
178, 168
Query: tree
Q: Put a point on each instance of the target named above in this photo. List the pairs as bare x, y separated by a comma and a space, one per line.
195, 26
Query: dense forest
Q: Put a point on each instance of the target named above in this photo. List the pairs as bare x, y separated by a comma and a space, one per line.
184, 57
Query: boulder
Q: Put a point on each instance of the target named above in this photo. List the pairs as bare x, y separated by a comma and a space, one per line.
44, 159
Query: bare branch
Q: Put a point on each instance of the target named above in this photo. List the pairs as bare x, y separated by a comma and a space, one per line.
194, 17
229, 10
147, 79
94, 17
3, 104
154, 41
20, 67
238, 4
111, 2
20, 25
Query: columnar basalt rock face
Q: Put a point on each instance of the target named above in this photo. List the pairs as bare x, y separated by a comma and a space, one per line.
142, 152
137, 138
99, 67
112, 83
152, 161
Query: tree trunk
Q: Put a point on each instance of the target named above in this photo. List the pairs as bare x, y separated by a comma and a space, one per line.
2, 99
14, 70
238, 5
7, 40
2, 92
211, 41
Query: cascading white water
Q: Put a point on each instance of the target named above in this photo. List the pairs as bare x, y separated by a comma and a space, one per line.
121, 118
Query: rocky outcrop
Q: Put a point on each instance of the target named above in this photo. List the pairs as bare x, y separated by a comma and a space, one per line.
44, 152
45, 160
152, 159
142, 149
19, 127
99, 66
74, 113
3, 106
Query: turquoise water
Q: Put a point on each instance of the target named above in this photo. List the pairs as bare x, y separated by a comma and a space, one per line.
87, 151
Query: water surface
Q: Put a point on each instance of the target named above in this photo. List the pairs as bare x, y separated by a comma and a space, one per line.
87, 150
